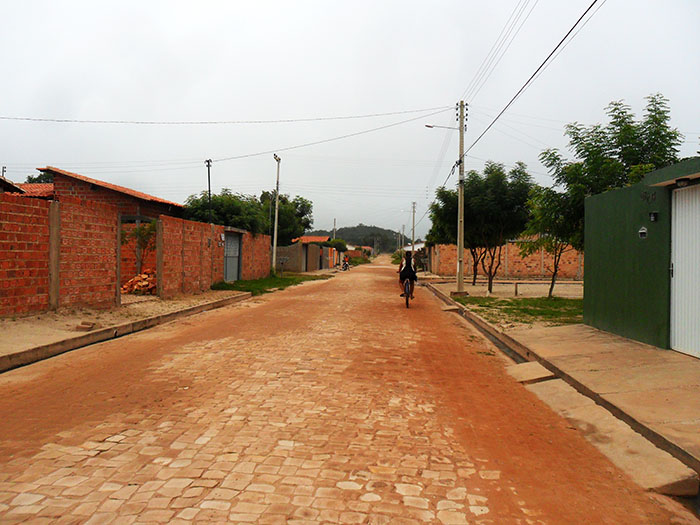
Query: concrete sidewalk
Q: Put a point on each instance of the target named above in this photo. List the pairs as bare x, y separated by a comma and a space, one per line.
655, 391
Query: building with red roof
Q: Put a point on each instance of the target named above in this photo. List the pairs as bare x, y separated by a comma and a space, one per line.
132, 204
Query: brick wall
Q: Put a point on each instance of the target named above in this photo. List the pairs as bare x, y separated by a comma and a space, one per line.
128, 266
537, 265
126, 204
294, 256
192, 255
256, 258
24, 255
88, 254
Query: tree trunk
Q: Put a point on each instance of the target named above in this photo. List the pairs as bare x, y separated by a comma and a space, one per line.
555, 268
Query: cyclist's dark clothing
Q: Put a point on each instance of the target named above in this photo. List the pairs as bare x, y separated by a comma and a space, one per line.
407, 272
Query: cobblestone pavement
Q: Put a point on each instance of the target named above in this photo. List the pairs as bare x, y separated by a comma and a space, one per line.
325, 403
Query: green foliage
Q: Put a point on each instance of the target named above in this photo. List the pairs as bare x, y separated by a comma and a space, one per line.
495, 210
555, 310
553, 226
339, 244
229, 209
397, 257
253, 214
267, 284
144, 236
43, 177
363, 235
615, 155
355, 261
295, 216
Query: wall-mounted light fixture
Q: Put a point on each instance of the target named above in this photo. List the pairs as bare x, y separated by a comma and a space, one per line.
642, 233
653, 216
682, 182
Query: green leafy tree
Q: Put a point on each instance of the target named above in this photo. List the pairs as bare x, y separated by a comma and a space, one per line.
501, 210
229, 209
552, 226
43, 177
144, 237
294, 219
615, 155
339, 244
495, 210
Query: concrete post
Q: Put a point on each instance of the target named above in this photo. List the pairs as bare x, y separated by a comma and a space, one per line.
54, 254
118, 250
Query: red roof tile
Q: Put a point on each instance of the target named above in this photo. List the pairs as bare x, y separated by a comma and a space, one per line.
306, 239
37, 189
113, 187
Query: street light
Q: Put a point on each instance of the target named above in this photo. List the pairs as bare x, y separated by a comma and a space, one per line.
277, 208
460, 197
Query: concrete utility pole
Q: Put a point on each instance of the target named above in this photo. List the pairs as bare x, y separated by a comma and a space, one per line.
460, 206
403, 235
208, 163
333, 229
413, 229
277, 211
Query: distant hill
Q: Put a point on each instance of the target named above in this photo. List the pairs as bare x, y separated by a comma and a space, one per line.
365, 236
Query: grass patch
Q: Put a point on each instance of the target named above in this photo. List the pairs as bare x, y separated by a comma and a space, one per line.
557, 310
267, 284
354, 261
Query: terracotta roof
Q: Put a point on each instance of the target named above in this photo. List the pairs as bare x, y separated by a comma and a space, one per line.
113, 187
10, 186
306, 239
37, 189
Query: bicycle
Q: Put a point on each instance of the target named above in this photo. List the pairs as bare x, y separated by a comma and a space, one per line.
407, 291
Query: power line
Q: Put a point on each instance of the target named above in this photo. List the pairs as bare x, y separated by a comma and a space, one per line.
214, 122
499, 39
529, 80
315, 143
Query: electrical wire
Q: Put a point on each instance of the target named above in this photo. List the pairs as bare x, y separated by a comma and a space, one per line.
215, 122
529, 80
324, 141
497, 43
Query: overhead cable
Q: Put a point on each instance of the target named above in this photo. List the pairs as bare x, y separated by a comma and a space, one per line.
529, 80
217, 122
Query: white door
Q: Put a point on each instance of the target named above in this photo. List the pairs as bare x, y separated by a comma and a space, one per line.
685, 284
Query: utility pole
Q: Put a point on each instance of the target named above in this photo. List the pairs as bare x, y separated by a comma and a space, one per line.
334, 229
413, 230
277, 210
403, 235
208, 163
460, 206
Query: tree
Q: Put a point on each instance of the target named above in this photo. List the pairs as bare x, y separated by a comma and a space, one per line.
615, 155
495, 209
144, 237
553, 227
43, 177
229, 209
443, 215
500, 209
294, 218
339, 244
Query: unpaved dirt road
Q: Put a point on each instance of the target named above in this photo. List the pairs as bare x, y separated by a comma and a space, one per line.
327, 402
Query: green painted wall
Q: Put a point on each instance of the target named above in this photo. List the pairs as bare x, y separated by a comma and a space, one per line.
627, 288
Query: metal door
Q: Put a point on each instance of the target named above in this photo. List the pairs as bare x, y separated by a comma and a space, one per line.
232, 252
685, 283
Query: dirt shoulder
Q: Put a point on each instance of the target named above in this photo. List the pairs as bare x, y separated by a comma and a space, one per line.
22, 333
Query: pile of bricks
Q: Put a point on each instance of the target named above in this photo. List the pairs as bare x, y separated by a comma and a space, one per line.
143, 283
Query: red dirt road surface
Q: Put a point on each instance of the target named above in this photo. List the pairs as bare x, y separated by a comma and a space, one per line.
329, 402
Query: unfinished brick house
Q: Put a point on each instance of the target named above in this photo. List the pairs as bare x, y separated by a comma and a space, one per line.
61, 245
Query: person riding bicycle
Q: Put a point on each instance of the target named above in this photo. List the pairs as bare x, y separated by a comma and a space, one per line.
407, 271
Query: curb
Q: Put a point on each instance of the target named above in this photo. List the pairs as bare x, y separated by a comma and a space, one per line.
39, 353
521, 354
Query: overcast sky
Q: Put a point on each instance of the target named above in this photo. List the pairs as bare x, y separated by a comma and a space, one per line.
233, 61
